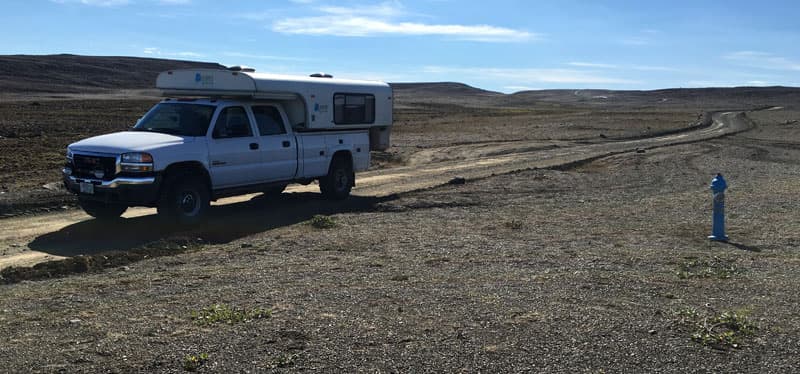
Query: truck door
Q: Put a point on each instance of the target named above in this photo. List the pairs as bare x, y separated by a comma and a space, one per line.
233, 150
278, 146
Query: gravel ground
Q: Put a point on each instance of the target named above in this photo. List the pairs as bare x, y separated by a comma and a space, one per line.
601, 268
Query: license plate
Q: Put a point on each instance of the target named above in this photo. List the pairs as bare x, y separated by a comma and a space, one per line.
87, 188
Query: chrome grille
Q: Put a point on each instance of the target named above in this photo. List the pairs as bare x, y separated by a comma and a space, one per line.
94, 167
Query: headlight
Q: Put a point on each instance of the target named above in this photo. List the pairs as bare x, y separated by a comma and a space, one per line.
137, 162
69, 155
138, 157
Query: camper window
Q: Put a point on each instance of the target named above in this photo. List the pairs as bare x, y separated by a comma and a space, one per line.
269, 120
232, 123
353, 109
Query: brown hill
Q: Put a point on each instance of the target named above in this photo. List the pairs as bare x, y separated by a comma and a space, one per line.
72, 74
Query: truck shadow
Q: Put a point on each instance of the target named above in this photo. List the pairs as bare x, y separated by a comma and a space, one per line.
225, 224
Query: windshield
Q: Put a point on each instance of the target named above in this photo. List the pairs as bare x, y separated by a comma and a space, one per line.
177, 119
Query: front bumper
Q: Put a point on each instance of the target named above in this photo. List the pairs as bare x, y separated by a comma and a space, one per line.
131, 191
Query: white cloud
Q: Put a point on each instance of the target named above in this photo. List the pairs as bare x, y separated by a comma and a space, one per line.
723, 83
388, 9
520, 88
361, 26
763, 60
760, 83
255, 16
525, 76
102, 3
263, 57
636, 41
113, 3
705, 83
156, 52
382, 19
592, 65
653, 68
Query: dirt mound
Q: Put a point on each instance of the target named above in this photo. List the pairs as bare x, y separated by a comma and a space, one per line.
73, 74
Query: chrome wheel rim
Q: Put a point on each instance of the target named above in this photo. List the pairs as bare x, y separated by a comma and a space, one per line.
188, 203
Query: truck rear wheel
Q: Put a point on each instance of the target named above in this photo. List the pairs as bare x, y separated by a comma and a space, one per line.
339, 181
185, 201
101, 210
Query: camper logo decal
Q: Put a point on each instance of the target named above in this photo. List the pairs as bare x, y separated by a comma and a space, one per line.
204, 80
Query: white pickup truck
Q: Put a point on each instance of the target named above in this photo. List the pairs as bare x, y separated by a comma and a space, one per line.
230, 140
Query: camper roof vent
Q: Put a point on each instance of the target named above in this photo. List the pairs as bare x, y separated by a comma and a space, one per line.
321, 75
245, 69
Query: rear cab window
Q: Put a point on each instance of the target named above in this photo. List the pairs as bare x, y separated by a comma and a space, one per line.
269, 120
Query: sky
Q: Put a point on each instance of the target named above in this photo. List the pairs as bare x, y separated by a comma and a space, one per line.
499, 45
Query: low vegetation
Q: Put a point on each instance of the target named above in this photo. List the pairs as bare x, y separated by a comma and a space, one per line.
193, 362
222, 313
322, 222
707, 268
722, 331
283, 361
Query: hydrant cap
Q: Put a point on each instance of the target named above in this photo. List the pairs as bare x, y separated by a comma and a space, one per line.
718, 184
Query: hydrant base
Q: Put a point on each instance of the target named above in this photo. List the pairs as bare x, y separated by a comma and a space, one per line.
718, 238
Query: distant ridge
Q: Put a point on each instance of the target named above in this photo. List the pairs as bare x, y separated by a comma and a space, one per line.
741, 96
444, 88
66, 73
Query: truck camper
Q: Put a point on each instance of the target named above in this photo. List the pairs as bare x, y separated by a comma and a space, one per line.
221, 132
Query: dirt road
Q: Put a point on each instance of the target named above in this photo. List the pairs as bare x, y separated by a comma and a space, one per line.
28, 240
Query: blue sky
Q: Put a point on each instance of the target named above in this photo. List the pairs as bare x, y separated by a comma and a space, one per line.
499, 45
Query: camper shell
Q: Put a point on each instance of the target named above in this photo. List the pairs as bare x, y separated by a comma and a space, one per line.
315, 103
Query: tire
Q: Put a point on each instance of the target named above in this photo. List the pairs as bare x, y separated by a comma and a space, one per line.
185, 200
339, 181
102, 211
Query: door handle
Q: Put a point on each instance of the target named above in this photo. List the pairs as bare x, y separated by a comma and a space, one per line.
287, 144
253, 146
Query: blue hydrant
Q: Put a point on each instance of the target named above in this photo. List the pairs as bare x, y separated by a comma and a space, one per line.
718, 186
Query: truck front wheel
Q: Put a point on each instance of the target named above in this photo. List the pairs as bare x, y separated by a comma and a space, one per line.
339, 181
101, 210
185, 201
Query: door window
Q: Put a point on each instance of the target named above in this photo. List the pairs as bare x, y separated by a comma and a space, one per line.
232, 123
269, 120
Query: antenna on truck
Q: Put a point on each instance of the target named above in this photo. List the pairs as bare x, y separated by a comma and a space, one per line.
242, 68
